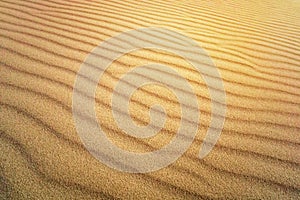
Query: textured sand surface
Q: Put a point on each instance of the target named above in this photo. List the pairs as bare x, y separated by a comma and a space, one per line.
254, 44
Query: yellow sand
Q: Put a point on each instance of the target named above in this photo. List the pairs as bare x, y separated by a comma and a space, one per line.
254, 44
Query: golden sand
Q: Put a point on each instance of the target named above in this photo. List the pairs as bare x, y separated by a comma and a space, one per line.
254, 44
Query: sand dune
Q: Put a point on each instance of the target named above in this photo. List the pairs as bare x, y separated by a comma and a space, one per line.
254, 44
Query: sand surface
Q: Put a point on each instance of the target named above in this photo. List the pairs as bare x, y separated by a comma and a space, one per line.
255, 46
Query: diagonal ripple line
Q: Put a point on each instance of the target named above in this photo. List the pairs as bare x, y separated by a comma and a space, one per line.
91, 133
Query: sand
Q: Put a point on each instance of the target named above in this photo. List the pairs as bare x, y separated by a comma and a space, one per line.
254, 44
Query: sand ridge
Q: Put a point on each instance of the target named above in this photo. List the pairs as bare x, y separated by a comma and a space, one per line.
254, 44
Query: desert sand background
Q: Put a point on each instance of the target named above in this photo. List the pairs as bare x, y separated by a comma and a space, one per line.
256, 47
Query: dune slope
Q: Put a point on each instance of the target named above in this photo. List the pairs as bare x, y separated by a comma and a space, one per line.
254, 44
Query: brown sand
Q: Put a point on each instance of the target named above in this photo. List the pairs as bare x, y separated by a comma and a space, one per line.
254, 44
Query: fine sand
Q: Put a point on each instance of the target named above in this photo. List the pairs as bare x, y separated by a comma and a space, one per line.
256, 47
